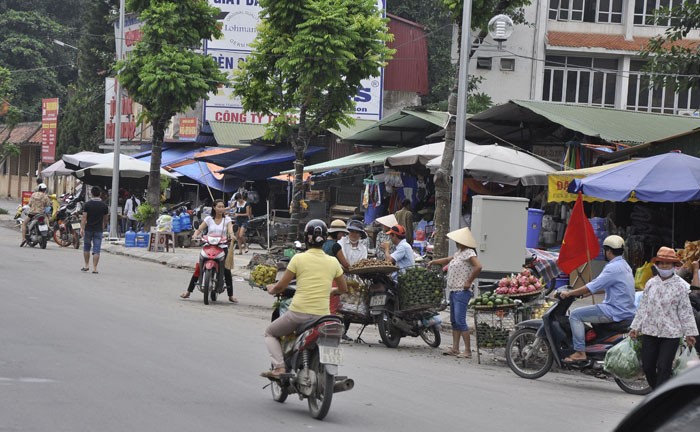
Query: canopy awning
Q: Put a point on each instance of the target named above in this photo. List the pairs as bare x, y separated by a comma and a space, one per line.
266, 164
57, 169
369, 158
172, 155
558, 182
418, 155
229, 157
204, 173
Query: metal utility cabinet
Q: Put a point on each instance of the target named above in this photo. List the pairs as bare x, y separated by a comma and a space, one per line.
499, 226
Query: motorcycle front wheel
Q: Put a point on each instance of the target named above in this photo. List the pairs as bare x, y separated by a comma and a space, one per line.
321, 397
527, 355
391, 336
207, 284
636, 386
61, 235
431, 336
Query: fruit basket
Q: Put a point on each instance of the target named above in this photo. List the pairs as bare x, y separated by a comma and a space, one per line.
372, 266
495, 307
526, 296
421, 288
262, 275
523, 286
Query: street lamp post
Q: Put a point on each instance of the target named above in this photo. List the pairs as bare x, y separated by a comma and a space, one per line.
113, 216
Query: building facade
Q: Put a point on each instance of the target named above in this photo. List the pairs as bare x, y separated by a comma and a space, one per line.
583, 52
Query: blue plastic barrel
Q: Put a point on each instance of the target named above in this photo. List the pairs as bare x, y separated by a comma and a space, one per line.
185, 221
130, 238
141, 239
177, 227
534, 226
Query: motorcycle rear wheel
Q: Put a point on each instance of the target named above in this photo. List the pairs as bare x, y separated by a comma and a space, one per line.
43, 242
431, 336
521, 342
213, 295
279, 393
391, 336
76, 240
321, 397
638, 386
207, 284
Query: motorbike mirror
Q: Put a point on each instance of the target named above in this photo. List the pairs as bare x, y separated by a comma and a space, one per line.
297, 244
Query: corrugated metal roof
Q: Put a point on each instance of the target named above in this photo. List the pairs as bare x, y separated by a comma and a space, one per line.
346, 131
611, 125
608, 41
370, 158
408, 69
236, 134
408, 127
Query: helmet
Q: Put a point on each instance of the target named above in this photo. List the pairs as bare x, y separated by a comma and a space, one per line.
42, 187
614, 242
315, 233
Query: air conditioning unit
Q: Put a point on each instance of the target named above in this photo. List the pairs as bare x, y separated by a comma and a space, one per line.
689, 113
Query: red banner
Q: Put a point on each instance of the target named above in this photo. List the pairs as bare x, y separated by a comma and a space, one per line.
49, 122
188, 128
26, 195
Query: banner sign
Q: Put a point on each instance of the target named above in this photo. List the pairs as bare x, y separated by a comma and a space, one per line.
49, 122
238, 22
188, 128
557, 189
132, 33
130, 129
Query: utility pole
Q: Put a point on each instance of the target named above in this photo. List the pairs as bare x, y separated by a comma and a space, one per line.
113, 216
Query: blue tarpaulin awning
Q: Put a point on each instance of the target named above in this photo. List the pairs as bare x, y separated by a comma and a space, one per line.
201, 173
232, 157
266, 164
172, 155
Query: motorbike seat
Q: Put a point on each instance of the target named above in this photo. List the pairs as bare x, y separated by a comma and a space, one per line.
313, 322
613, 327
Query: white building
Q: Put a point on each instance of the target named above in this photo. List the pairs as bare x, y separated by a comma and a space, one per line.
583, 52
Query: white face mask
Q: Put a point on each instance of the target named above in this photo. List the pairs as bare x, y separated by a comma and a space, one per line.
666, 273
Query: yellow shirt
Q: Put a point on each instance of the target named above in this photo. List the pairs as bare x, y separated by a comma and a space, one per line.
315, 272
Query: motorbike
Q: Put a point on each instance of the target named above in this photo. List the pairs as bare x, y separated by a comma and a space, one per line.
537, 344
256, 232
312, 357
66, 228
394, 324
37, 231
211, 267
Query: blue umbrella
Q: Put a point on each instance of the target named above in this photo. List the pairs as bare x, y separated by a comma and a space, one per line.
666, 178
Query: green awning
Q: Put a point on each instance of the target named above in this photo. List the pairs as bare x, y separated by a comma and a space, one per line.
369, 158
236, 134
346, 131
406, 127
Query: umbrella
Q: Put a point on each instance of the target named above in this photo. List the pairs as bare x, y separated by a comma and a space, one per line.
57, 168
498, 164
84, 159
666, 178
128, 168
418, 155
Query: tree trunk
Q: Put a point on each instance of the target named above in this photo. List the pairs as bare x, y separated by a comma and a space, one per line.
299, 144
153, 192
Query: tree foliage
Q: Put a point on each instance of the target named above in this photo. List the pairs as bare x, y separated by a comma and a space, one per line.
482, 12
669, 62
163, 73
308, 61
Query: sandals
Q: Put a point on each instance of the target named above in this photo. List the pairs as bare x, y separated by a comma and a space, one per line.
84, 269
233, 300
185, 295
450, 352
464, 355
271, 375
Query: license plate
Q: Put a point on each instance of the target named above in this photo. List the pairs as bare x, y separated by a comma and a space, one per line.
331, 355
378, 300
75, 225
43, 228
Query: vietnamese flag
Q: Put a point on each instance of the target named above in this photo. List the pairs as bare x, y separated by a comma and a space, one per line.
580, 242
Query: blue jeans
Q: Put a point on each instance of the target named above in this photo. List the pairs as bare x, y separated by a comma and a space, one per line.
591, 314
459, 300
92, 240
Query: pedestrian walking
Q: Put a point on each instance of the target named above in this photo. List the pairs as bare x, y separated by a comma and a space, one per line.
664, 316
92, 223
404, 218
130, 206
463, 269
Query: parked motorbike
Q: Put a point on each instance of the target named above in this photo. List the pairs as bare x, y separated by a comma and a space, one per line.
394, 323
66, 228
256, 232
37, 231
211, 267
536, 344
311, 357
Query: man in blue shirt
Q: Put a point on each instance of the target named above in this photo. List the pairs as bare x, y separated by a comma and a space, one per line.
617, 281
403, 255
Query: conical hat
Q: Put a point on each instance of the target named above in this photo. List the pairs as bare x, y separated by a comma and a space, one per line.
388, 220
463, 236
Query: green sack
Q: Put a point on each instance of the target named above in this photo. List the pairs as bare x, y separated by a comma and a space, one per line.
623, 360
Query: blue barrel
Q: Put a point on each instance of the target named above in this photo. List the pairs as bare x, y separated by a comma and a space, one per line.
534, 226
185, 221
177, 227
130, 238
141, 239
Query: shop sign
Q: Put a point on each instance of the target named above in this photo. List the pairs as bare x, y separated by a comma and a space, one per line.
188, 128
49, 122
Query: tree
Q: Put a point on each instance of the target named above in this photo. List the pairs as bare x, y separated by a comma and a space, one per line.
670, 63
81, 126
482, 12
163, 73
308, 60
10, 114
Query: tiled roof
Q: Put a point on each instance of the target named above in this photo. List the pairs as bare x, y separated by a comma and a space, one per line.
606, 41
22, 133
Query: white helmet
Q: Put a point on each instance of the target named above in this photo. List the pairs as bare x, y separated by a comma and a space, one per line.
42, 187
614, 242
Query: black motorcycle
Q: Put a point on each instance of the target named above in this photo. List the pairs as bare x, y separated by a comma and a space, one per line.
37, 231
256, 231
536, 344
66, 228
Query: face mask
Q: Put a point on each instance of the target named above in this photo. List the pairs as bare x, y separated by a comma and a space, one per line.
665, 273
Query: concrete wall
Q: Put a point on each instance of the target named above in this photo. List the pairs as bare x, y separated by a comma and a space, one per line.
395, 101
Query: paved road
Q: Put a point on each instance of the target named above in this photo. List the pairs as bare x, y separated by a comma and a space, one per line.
118, 351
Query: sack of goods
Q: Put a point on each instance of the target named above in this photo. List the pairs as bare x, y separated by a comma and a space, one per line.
420, 287
164, 223
623, 360
355, 299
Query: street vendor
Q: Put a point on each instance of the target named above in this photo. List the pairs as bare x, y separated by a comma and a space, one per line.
403, 255
463, 269
387, 222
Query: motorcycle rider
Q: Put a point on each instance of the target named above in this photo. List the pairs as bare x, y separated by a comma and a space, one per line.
403, 255
37, 205
617, 280
314, 271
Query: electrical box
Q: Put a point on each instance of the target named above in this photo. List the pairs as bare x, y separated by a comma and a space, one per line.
499, 226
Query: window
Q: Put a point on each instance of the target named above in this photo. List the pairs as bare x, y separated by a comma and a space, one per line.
594, 11
644, 11
483, 63
642, 96
580, 80
507, 64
